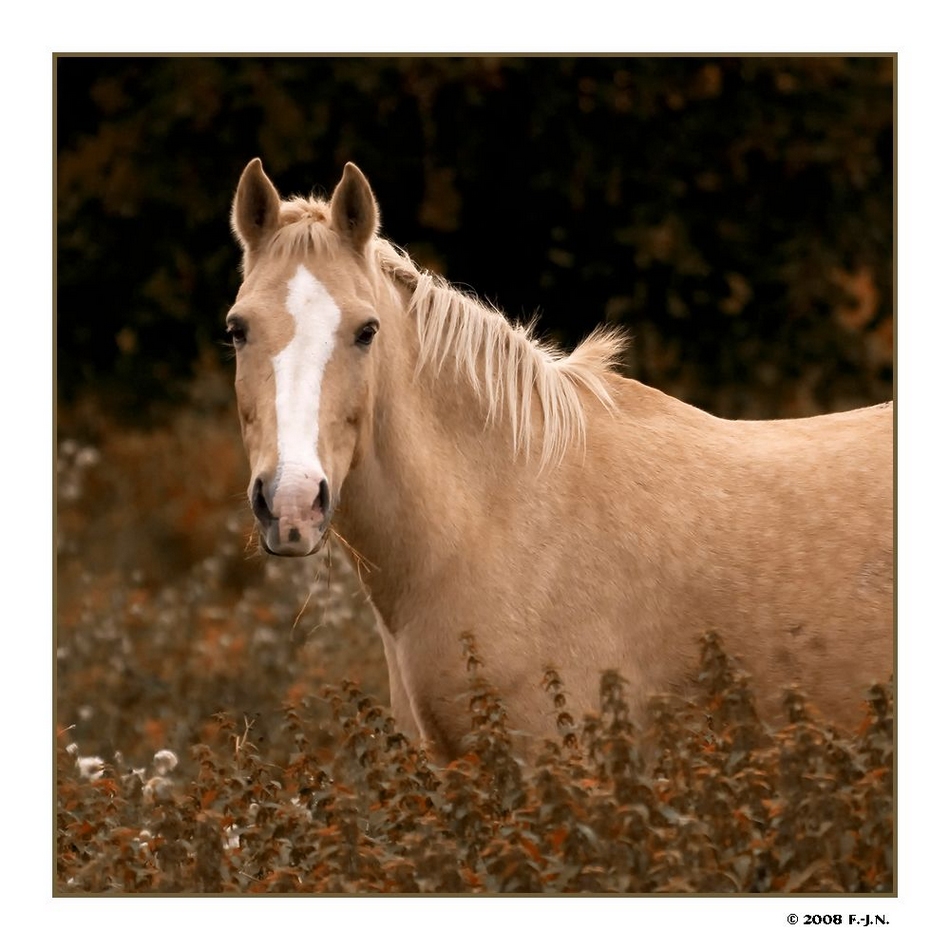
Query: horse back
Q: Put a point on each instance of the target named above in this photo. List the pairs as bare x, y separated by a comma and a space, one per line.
777, 534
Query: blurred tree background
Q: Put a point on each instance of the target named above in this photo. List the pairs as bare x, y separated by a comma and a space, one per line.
735, 213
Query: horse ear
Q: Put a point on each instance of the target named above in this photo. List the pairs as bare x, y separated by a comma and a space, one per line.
353, 209
256, 207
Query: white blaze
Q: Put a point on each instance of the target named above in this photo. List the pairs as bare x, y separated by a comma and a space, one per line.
299, 368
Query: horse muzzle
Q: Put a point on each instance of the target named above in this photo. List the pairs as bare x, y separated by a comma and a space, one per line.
293, 513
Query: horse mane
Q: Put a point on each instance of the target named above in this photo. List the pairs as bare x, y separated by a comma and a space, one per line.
505, 363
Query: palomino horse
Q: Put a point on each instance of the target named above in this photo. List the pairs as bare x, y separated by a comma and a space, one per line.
560, 513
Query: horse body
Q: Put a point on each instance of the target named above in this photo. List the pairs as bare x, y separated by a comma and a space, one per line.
563, 515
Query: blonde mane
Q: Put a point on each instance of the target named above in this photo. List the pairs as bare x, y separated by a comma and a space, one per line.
504, 362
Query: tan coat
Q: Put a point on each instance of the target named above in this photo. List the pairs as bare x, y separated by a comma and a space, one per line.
560, 513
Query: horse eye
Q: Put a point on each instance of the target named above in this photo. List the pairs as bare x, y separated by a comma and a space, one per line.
367, 332
237, 333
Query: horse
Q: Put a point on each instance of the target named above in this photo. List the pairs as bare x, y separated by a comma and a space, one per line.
560, 514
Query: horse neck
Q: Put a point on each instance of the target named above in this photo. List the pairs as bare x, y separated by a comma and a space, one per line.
437, 477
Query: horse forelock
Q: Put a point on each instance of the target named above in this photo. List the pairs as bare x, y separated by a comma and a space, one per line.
302, 229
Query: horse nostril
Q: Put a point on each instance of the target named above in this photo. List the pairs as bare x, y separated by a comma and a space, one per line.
259, 503
322, 502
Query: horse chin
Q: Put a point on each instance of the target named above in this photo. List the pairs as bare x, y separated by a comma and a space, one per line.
292, 550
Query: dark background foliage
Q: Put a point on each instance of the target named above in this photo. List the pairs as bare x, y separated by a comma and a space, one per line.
735, 213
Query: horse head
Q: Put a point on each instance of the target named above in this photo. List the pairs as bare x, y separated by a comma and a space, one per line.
303, 328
